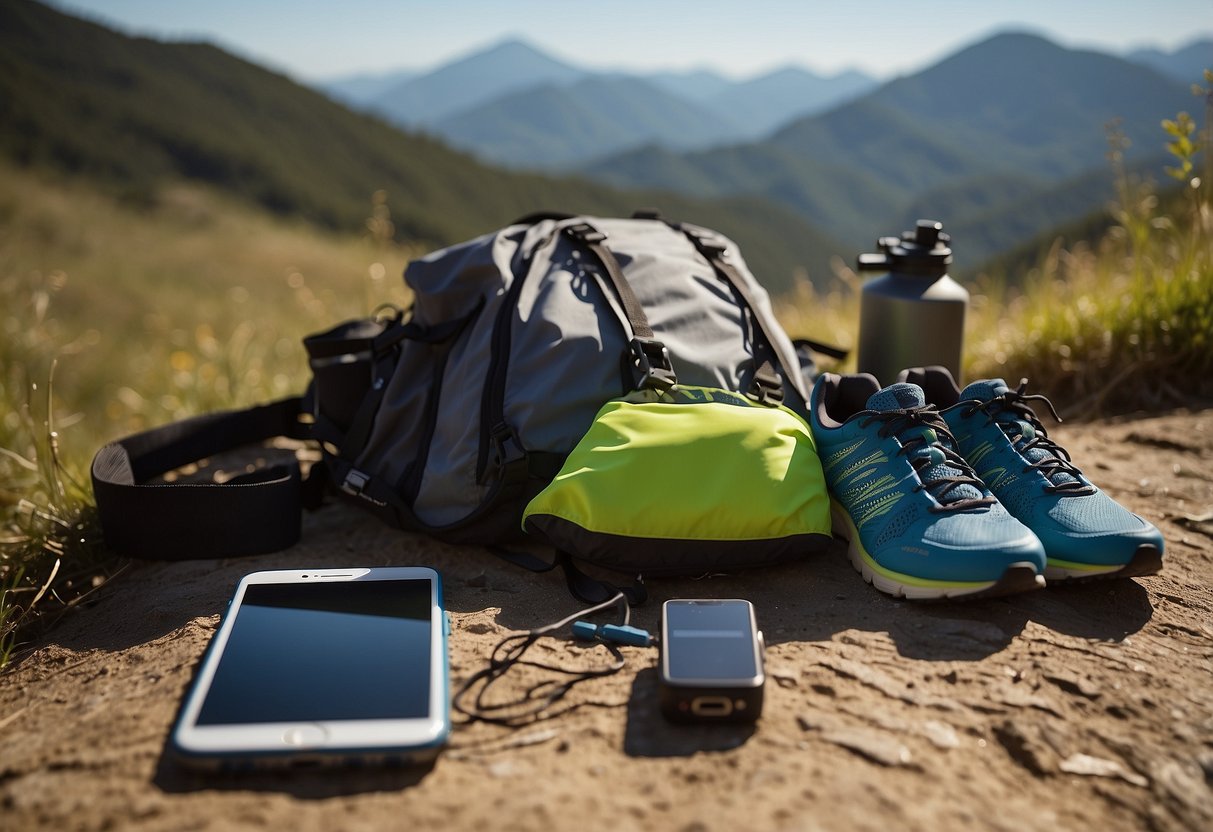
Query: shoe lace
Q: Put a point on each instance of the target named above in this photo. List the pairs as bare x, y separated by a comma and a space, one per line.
923, 427
1056, 459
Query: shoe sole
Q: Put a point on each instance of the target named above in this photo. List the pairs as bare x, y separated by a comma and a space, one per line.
1016, 578
1147, 560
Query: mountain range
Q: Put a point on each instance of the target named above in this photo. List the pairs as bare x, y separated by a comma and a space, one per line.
1184, 64
511, 103
1001, 141
1017, 124
130, 114
514, 104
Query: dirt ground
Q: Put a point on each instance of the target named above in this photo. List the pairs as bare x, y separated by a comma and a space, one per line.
1085, 707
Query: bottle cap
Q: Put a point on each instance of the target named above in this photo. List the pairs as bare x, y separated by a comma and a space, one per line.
923, 251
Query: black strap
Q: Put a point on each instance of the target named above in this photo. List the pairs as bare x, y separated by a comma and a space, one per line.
595, 591
648, 355
806, 344
767, 385
582, 585
526, 560
251, 514
595, 242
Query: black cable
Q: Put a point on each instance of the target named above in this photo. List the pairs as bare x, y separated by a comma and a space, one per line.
536, 703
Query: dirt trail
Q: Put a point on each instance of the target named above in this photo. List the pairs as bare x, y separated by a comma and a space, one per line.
1087, 707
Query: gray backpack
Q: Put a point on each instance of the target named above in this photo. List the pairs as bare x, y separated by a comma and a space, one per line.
522, 335
450, 419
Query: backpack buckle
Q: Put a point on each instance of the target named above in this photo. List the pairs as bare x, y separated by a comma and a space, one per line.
652, 361
355, 481
507, 452
585, 233
766, 389
709, 247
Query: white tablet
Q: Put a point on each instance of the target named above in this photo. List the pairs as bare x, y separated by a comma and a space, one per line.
322, 665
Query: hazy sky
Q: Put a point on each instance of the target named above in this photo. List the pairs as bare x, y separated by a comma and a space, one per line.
312, 39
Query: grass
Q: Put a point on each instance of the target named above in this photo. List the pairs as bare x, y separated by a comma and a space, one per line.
119, 316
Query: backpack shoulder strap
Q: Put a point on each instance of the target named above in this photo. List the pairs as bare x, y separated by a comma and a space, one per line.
649, 356
767, 386
250, 514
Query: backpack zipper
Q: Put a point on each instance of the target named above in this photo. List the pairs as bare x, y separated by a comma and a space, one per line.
494, 432
410, 482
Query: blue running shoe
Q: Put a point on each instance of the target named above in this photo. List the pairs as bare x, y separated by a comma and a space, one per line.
919, 521
1086, 533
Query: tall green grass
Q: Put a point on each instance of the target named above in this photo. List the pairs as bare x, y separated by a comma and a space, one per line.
117, 317
1125, 324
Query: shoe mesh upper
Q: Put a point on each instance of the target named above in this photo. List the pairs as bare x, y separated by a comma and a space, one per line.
1019, 501
900, 523
1093, 514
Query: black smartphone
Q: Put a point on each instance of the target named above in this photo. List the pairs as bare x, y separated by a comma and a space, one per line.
711, 661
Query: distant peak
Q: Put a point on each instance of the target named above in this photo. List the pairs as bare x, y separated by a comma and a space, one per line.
512, 45
787, 70
513, 42
1006, 44
1017, 32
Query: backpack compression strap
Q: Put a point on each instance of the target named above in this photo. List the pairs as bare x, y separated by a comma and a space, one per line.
650, 356
767, 386
250, 514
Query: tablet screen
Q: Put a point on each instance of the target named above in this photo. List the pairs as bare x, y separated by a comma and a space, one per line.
324, 651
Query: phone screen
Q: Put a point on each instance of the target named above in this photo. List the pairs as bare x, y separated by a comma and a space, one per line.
710, 640
325, 651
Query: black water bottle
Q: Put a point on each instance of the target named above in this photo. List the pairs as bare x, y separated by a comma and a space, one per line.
914, 314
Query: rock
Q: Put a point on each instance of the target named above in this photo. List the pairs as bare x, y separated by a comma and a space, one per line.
879, 749
506, 768
940, 734
1088, 766
1018, 697
870, 677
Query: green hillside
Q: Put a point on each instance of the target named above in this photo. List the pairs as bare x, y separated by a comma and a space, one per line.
970, 197
1088, 231
79, 100
894, 144
839, 197
552, 126
1033, 214
1023, 103
1014, 106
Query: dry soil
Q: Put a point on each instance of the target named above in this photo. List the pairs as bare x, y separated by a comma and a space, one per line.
1076, 707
